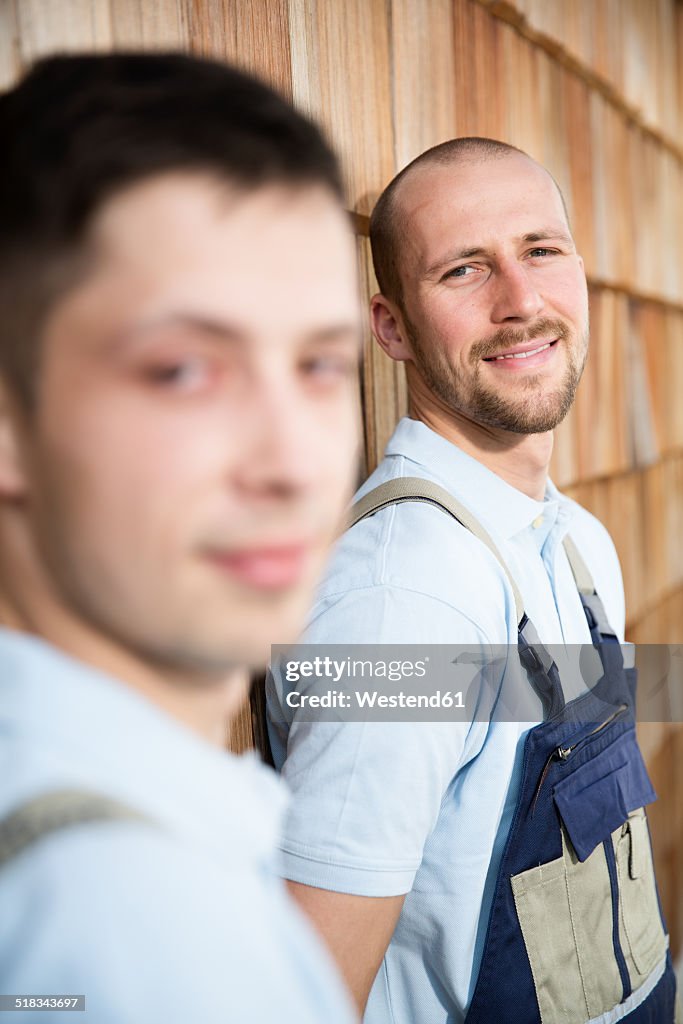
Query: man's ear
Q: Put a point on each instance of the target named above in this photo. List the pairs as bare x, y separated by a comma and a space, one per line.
12, 475
388, 328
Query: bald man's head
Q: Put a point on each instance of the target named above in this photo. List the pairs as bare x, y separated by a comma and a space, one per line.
389, 216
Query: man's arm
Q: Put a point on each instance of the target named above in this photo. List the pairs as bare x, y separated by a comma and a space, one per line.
357, 930
366, 795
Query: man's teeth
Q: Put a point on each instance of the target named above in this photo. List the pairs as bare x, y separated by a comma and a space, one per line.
524, 355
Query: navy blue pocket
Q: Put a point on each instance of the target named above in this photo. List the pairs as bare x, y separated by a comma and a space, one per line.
597, 798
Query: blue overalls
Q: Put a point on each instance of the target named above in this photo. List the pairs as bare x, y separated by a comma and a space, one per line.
575, 932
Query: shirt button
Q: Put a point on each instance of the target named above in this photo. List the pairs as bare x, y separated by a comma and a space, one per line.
538, 521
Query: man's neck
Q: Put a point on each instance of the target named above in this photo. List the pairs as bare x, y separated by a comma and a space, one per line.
521, 460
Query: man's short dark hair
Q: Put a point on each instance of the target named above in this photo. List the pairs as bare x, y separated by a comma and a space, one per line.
386, 221
78, 129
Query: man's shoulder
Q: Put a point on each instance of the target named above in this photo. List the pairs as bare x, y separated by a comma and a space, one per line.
415, 555
88, 905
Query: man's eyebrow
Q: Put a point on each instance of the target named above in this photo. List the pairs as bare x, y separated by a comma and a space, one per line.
545, 234
453, 257
541, 235
224, 330
172, 321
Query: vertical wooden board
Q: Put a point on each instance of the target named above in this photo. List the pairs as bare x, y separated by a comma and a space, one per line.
383, 379
555, 130
205, 27
674, 505
564, 463
672, 501
613, 381
240, 735
67, 26
150, 26
601, 186
483, 71
579, 194
253, 35
10, 55
341, 75
667, 62
620, 215
671, 246
643, 438
603, 441
654, 527
524, 114
637, 70
600, 417
423, 76
465, 86
641, 191
651, 318
679, 52
673, 377
616, 44
624, 520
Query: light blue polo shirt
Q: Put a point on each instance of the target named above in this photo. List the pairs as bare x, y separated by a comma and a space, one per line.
169, 924
381, 809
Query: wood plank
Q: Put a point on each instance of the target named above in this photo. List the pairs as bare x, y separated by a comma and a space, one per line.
341, 75
10, 48
68, 26
423, 76
157, 26
238, 32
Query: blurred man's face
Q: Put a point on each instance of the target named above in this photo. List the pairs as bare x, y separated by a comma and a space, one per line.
195, 434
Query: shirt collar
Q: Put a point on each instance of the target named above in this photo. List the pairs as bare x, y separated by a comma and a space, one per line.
501, 508
103, 735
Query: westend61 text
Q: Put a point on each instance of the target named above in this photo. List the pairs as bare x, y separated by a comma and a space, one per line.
375, 699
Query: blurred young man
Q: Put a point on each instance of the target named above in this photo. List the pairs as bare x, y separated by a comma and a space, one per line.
178, 343
488, 870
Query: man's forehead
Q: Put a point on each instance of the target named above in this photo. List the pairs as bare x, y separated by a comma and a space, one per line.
472, 182
478, 200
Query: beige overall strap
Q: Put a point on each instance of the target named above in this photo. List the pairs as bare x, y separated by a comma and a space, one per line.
415, 488
582, 576
58, 809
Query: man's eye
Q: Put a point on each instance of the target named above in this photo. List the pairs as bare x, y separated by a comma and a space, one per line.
542, 252
464, 271
329, 368
184, 375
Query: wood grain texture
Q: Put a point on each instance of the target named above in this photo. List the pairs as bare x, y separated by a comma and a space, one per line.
150, 26
341, 75
10, 44
423, 60
67, 26
254, 35
628, 50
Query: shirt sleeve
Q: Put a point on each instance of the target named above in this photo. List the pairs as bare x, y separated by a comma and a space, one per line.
366, 795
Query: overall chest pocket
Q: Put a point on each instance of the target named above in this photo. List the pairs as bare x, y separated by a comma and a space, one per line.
567, 909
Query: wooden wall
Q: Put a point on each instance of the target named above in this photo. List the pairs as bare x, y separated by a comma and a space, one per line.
591, 88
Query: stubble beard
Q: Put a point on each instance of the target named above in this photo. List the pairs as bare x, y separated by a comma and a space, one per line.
536, 411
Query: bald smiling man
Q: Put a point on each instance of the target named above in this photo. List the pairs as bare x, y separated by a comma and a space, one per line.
479, 871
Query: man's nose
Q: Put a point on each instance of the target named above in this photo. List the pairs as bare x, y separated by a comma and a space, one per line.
516, 295
279, 452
